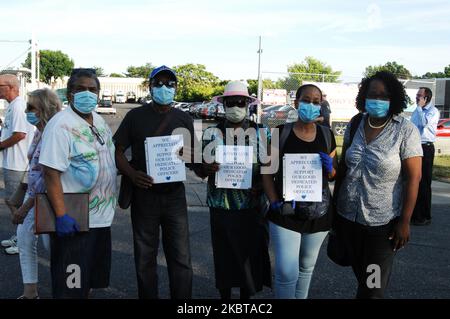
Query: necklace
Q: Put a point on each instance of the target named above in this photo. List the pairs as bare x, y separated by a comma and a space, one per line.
381, 126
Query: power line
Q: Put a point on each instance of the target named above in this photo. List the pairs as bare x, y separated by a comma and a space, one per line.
15, 41
22, 54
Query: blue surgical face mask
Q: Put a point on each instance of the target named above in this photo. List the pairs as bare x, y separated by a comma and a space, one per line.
163, 95
308, 112
85, 101
377, 108
32, 118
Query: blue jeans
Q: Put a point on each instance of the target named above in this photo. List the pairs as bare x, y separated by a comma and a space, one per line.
295, 259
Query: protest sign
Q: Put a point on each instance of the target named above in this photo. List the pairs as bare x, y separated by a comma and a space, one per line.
163, 164
302, 177
235, 166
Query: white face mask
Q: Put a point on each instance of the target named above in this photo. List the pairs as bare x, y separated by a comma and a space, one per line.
235, 114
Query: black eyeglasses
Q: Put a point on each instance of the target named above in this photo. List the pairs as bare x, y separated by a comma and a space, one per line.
83, 70
169, 84
97, 135
242, 102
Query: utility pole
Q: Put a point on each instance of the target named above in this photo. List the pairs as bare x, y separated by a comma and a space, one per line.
33, 62
259, 82
38, 63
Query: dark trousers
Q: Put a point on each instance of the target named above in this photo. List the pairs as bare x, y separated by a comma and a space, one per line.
149, 212
80, 263
368, 246
422, 211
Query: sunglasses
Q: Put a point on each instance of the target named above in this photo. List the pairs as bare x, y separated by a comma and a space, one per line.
83, 70
97, 135
169, 84
235, 102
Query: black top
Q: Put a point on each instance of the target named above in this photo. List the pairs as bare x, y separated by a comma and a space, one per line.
294, 145
143, 122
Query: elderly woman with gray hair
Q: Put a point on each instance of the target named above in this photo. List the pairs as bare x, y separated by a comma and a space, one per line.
41, 106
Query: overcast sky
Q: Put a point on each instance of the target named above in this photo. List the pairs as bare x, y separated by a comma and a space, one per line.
223, 35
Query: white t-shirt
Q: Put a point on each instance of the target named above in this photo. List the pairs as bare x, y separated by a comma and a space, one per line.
69, 146
15, 157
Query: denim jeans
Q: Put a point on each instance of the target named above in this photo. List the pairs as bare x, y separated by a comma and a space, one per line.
27, 243
295, 259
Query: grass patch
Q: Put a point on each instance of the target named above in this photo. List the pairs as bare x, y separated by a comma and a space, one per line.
441, 167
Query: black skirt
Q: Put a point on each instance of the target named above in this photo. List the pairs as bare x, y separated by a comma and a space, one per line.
240, 241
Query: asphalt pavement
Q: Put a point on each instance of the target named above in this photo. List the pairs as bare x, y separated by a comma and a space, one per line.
421, 270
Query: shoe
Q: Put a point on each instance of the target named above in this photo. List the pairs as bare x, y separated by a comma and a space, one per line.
421, 222
13, 250
23, 297
9, 242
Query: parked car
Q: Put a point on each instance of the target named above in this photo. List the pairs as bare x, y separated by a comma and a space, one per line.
183, 106
443, 128
145, 99
275, 115
131, 97
120, 97
105, 107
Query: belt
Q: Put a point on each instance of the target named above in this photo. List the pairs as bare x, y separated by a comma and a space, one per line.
428, 143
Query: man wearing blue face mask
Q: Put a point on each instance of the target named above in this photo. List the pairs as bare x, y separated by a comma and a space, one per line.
156, 205
78, 157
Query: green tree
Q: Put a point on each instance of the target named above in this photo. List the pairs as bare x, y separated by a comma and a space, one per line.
116, 75
447, 71
397, 69
99, 71
54, 64
142, 71
195, 83
266, 84
310, 69
431, 75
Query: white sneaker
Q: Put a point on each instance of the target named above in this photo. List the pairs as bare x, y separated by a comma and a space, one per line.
13, 250
9, 242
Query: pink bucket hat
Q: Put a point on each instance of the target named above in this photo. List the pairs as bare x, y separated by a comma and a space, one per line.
235, 88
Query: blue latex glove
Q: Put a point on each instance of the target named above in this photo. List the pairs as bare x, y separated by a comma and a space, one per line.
276, 205
327, 162
282, 209
66, 225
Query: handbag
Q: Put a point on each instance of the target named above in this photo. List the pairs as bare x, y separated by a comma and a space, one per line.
337, 249
77, 206
125, 192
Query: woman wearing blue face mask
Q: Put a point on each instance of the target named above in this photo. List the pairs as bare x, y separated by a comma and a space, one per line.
297, 229
378, 180
42, 105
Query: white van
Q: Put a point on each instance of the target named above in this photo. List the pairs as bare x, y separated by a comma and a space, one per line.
120, 97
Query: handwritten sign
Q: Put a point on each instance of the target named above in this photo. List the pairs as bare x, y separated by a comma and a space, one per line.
235, 166
163, 164
302, 177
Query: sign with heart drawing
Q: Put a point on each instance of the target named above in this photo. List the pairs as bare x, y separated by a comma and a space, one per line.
235, 170
302, 177
163, 163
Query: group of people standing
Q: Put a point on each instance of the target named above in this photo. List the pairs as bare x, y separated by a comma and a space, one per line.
74, 151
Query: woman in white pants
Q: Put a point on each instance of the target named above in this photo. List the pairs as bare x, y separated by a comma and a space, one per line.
41, 106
